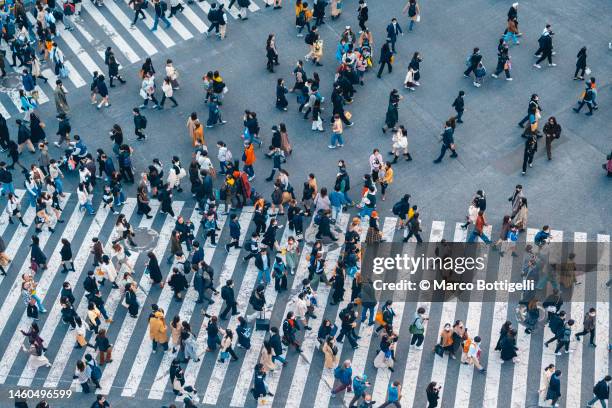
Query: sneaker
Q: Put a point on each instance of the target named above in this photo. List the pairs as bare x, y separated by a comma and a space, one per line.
509, 79
476, 84
558, 354
331, 147
537, 66
552, 65
494, 76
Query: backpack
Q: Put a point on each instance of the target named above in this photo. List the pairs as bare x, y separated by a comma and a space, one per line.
468, 60
68, 9
212, 16
397, 208
310, 38
413, 329
412, 10
96, 373
318, 217
164, 6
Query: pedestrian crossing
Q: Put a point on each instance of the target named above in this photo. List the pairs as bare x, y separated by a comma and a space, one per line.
110, 25
136, 372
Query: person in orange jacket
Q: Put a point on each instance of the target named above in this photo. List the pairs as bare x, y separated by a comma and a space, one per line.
248, 157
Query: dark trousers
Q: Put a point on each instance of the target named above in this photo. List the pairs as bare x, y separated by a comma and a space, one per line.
136, 13
591, 335
469, 70
127, 174
228, 307
164, 97
588, 104
417, 339
561, 344
527, 159
382, 67
545, 54
350, 335
459, 116
214, 25
500, 68
362, 25
525, 119
395, 403
581, 69
443, 152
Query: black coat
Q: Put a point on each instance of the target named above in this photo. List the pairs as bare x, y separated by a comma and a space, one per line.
385, 53
227, 294
581, 61
66, 252
602, 390
37, 255
554, 388
154, 271
178, 282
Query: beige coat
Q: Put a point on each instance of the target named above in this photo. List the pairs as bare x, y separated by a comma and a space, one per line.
331, 361
266, 360
191, 127
175, 333
158, 331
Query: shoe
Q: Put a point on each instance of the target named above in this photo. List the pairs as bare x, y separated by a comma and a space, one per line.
509, 79
476, 84
530, 164
552, 65
558, 354
331, 147
537, 66
575, 110
589, 113
523, 172
494, 76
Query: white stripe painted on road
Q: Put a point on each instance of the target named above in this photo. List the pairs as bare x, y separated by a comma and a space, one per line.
140, 38
5, 114
50, 75
251, 357
4, 222
603, 305
413, 361
160, 34
90, 39
523, 342
63, 354
14, 294
193, 367
78, 50
124, 336
310, 341
110, 31
247, 287
574, 385
181, 29
54, 316
195, 20
326, 382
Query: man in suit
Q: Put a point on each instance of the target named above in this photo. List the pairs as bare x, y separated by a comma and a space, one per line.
448, 142
393, 30
227, 294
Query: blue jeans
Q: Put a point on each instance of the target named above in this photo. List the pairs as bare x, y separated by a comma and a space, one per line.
251, 138
32, 198
248, 169
366, 211
156, 21
474, 235
120, 199
8, 188
509, 35
364, 311
411, 25
88, 207
591, 402
59, 185
265, 274
336, 212
336, 138
347, 197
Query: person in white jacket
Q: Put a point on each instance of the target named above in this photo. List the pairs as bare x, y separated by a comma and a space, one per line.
108, 272
168, 92
224, 156
84, 199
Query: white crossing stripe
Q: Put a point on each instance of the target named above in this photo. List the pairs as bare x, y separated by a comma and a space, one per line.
50, 75
53, 318
251, 357
310, 342
14, 295
20, 233
78, 50
63, 354
603, 306
193, 367
195, 20
219, 371
160, 34
54, 262
100, 49
413, 361
4, 112
574, 385
360, 356
110, 31
145, 349
179, 28
523, 342
326, 382
134, 32
127, 328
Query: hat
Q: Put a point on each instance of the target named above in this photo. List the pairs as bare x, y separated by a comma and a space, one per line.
515, 5
348, 27
374, 214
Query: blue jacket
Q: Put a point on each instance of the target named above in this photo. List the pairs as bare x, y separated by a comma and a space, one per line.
234, 230
28, 82
392, 32
337, 199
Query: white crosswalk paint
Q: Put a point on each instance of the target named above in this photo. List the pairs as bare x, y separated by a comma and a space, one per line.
326, 382
50, 75
449, 309
413, 361
574, 386
14, 294
251, 357
195, 20
187, 308
53, 263
63, 354
219, 371
160, 34
310, 342
523, 342
4, 216
127, 328
74, 75
110, 31
472, 325
140, 38
178, 27
78, 50
360, 356
98, 47
383, 376
548, 353
54, 316
5, 114
603, 306
193, 367
500, 313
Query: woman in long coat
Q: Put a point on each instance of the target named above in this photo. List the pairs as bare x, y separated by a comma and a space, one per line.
508, 346
131, 300
331, 359
154, 271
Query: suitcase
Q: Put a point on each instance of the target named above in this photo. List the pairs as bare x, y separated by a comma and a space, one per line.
262, 324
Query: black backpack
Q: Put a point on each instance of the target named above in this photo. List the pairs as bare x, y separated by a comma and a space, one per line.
397, 208
164, 6
310, 38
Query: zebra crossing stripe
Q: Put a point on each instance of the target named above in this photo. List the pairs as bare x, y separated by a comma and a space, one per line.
548, 355
186, 312
53, 264
449, 308
383, 376
160, 34
14, 294
326, 382
5, 114
108, 28
603, 305
50, 75
142, 40
251, 357
180, 29
53, 318
413, 360
219, 371
195, 20
65, 349
574, 386
129, 324
310, 342
360, 356
523, 342
88, 37
78, 50
193, 367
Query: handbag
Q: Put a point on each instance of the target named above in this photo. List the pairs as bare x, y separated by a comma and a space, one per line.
379, 318
587, 71
348, 115
439, 350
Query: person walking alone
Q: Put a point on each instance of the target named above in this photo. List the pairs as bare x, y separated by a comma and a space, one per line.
552, 131
448, 142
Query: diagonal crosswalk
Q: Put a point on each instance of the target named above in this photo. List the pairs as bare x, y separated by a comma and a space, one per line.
136, 372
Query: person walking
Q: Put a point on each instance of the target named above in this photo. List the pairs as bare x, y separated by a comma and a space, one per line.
533, 111
60, 98
552, 131
564, 336
581, 63
554, 388
344, 374
386, 58
503, 61
104, 347
545, 50
433, 394
271, 53
140, 124
448, 142
531, 147
158, 330
394, 395
168, 92
160, 14
588, 98
417, 328
459, 105
472, 62
478, 230
601, 392
413, 11
588, 326
393, 31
